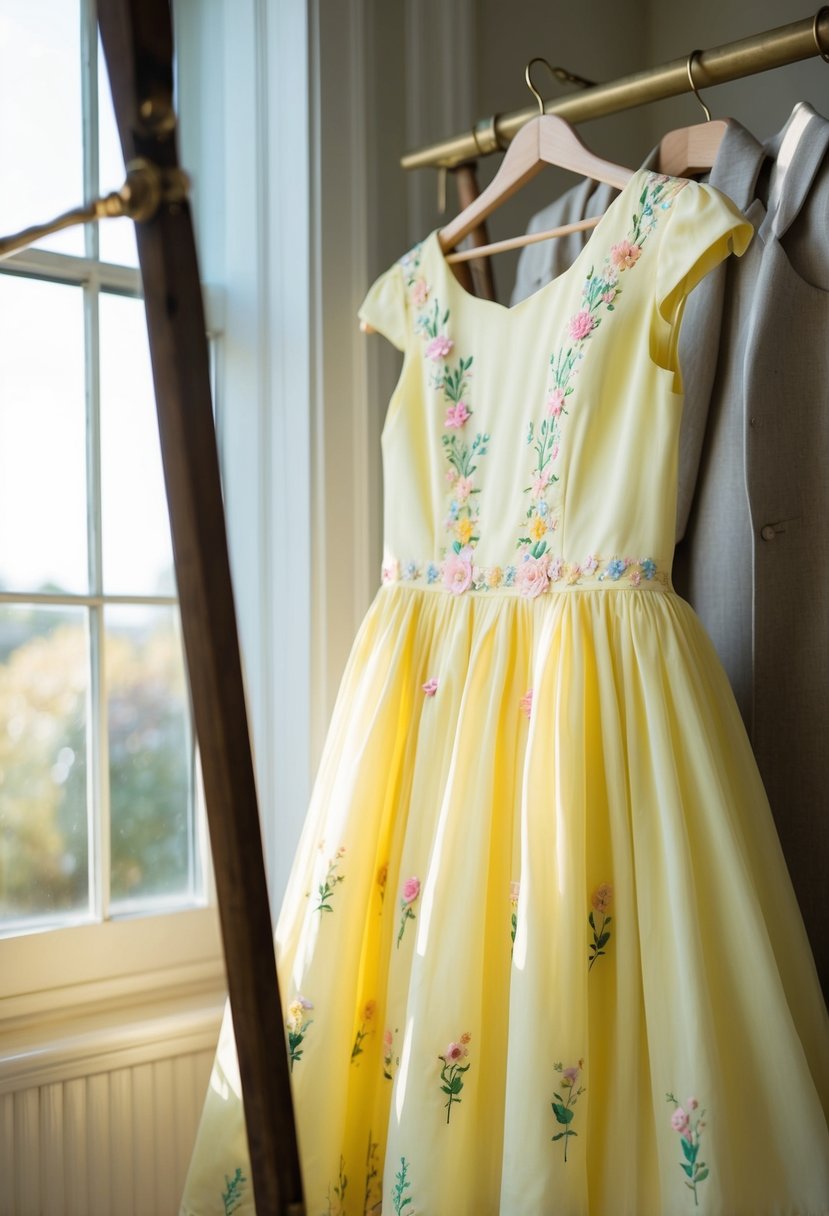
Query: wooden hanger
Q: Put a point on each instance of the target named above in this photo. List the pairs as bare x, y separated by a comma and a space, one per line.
544, 140
689, 151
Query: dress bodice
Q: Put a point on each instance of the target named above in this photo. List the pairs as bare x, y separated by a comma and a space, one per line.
534, 448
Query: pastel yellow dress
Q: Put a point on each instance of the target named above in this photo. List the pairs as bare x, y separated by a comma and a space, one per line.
540, 955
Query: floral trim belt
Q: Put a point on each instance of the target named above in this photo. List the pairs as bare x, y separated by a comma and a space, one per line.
530, 577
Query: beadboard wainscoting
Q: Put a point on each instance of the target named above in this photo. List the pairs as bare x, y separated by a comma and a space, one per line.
100, 1118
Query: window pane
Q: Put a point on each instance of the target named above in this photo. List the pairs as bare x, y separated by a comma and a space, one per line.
44, 693
150, 756
42, 437
138, 558
40, 116
117, 236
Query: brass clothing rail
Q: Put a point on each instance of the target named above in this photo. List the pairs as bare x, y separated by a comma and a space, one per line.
758, 53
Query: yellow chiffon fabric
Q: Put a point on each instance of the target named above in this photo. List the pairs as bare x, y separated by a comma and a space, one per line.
540, 954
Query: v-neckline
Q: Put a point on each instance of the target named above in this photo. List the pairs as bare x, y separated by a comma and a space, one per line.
548, 288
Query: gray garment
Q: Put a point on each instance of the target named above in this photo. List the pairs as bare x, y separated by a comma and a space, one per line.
752, 551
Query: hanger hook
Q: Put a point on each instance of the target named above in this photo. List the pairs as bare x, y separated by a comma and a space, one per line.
689, 67
528, 78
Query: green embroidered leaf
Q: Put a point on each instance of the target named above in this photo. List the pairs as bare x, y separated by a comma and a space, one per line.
690, 1150
591, 920
456, 545
559, 1135
603, 940
702, 1174
687, 1169
538, 548
562, 1113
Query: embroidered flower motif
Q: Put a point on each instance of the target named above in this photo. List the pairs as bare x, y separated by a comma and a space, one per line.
538, 527
514, 892
457, 572
615, 569
689, 1127
420, 292
581, 326
563, 1105
624, 255
409, 894
648, 567
389, 1060
452, 1072
526, 702
601, 934
372, 1196
430, 687
336, 1194
600, 293
402, 1184
532, 576
233, 1193
365, 1028
432, 573
439, 348
464, 529
391, 571
457, 415
298, 1023
331, 881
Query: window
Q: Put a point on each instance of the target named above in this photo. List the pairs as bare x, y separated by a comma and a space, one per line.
97, 767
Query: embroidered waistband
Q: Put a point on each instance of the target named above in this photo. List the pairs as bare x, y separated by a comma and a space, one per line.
530, 576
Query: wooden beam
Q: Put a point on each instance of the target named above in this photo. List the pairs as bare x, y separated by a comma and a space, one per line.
138, 44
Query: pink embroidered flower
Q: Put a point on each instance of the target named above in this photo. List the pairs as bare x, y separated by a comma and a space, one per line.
388, 1038
602, 896
540, 483
625, 255
514, 891
391, 571
430, 687
455, 1052
679, 1121
636, 578
554, 453
457, 415
420, 292
591, 564
439, 348
609, 296
457, 572
581, 325
692, 1104
411, 890
556, 568
570, 1075
463, 488
451, 475
532, 576
526, 702
555, 401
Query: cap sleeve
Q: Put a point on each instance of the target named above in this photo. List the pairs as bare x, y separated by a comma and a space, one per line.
384, 307
702, 229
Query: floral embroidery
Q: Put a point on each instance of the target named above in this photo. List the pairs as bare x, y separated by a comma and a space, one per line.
451, 1074
689, 1125
563, 1107
514, 890
232, 1195
298, 1025
452, 381
372, 1196
389, 1059
331, 881
430, 687
600, 292
336, 1195
601, 934
532, 576
526, 702
411, 890
402, 1184
364, 1030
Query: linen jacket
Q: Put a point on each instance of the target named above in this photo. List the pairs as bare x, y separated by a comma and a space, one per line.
752, 533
